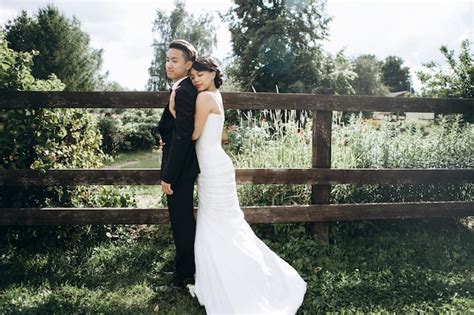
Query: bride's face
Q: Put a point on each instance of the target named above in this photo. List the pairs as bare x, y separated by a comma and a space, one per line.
203, 80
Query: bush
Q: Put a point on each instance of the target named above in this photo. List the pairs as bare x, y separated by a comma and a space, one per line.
44, 139
108, 127
131, 130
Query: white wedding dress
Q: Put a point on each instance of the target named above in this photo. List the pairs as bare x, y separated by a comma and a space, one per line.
236, 273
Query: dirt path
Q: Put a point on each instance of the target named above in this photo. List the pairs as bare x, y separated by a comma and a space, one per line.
122, 164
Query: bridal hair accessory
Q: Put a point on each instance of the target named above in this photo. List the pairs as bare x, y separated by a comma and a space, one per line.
204, 67
207, 64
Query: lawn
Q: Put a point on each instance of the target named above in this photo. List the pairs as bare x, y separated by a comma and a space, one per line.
386, 266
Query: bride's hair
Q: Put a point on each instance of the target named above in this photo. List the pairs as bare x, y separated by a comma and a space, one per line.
207, 64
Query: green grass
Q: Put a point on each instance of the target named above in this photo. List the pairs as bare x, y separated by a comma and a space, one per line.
149, 163
387, 266
139, 159
147, 196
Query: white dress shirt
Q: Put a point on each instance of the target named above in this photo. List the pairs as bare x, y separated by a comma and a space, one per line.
176, 83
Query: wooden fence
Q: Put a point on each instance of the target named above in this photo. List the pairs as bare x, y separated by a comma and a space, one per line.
320, 176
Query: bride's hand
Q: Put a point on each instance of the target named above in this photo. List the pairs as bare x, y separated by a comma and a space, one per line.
172, 104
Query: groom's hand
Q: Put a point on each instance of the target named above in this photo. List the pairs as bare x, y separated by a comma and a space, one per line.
166, 188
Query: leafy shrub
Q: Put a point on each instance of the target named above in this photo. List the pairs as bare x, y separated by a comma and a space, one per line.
44, 139
133, 129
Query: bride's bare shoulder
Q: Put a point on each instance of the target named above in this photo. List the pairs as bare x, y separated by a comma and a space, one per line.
204, 102
205, 97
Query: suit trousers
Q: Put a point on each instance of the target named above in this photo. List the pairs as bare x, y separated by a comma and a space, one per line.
183, 226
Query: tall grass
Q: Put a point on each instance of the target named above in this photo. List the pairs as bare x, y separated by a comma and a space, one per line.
268, 142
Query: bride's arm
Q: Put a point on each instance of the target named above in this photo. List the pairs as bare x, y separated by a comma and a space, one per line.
203, 108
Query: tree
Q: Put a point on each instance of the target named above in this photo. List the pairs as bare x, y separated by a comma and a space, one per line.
44, 138
394, 76
369, 78
277, 43
455, 82
338, 74
200, 31
63, 48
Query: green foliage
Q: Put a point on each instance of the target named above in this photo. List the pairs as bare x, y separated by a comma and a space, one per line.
131, 130
108, 127
263, 142
44, 139
15, 71
338, 74
358, 144
369, 76
455, 82
277, 47
394, 76
444, 144
63, 48
199, 31
277, 44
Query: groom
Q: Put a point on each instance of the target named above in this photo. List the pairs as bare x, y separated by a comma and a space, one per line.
179, 165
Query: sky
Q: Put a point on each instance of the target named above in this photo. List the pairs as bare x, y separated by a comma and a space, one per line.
411, 29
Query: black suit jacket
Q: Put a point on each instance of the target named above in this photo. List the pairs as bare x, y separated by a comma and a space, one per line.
179, 153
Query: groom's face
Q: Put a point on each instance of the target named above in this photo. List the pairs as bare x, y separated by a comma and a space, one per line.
176, 65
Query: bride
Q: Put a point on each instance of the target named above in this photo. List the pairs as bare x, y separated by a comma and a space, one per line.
236, 273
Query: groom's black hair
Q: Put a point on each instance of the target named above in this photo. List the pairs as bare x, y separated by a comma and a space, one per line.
189, 52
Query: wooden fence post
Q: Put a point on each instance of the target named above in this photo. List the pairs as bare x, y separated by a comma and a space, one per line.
321, 158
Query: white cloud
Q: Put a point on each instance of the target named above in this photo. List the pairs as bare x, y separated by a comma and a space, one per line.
411, 29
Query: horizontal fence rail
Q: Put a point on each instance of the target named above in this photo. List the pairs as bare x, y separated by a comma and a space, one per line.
233, 100
320, 176
151, 176
268, 214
